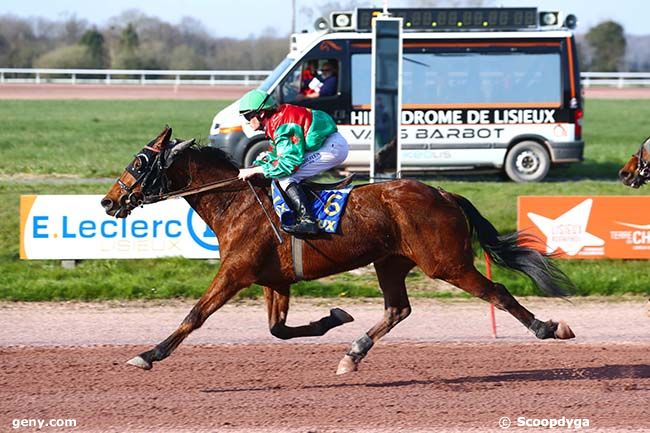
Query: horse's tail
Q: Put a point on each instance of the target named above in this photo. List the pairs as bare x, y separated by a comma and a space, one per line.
507, 251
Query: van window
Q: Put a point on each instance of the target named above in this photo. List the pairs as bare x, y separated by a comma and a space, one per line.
469, 78
479, 78
311, 79
360, 64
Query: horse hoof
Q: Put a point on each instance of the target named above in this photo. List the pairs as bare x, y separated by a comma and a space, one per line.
139, 362
563, 332
347, 365
341, 315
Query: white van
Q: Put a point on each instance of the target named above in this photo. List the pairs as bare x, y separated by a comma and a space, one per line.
481, 88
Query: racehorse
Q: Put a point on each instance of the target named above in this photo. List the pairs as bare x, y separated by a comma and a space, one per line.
395, 225
636, 171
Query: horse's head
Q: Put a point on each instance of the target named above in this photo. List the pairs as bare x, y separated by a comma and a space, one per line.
145, 176
636, 171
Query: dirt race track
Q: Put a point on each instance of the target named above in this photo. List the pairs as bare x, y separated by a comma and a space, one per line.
439, 371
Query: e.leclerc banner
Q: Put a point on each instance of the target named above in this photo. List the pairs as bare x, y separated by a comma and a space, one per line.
71, 227
588, 227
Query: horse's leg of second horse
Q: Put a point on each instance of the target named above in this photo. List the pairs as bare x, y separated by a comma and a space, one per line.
277, 304
225, 285
391, 272
473, 282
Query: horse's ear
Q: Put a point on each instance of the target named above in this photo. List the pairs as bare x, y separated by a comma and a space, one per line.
161, 141
175, 151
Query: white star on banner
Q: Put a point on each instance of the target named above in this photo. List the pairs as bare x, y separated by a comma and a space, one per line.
569, 230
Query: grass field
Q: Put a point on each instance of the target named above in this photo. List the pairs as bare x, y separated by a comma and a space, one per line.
91, 138
81, 141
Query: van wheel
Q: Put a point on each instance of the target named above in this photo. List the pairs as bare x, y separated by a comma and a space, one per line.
254, 152
527, 161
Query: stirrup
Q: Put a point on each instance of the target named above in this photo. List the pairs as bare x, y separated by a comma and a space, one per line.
301, 228
305, 223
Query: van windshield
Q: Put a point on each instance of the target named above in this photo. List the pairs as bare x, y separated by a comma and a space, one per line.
276, 73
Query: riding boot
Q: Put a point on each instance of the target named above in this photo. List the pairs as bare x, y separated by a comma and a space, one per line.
305, 222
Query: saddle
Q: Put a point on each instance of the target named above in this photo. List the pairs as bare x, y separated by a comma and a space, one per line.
311, 186
318, 186
325, 201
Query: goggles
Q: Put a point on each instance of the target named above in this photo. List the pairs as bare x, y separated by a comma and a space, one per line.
249, 115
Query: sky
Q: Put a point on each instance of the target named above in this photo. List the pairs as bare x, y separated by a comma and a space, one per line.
243, 18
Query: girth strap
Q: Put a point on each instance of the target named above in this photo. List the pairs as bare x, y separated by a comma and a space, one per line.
296, 254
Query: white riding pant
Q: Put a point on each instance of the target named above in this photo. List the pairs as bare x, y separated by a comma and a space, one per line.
332, 153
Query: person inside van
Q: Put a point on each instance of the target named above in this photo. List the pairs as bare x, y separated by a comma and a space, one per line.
329, 81
307, 76
304, 143
323, 84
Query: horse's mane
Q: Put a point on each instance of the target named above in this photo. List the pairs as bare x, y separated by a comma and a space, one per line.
213, 156
212, 153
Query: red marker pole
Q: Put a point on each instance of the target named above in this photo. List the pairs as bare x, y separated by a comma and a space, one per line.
493, 322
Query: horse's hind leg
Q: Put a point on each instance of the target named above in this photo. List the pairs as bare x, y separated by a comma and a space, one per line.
391, 273
277, 304
476, 284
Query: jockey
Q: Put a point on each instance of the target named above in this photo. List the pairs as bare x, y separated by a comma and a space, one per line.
304, 143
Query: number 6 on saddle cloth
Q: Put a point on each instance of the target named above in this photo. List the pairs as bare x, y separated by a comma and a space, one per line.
327, 207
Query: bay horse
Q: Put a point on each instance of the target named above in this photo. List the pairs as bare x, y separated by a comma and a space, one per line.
636, 172
395, 225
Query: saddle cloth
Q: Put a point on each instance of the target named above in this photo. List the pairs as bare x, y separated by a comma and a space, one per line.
327, 206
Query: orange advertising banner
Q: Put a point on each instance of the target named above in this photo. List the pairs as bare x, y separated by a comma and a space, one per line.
588, 227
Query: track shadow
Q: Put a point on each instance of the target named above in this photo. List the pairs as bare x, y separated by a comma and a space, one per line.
392, 384
242, 389
636, 371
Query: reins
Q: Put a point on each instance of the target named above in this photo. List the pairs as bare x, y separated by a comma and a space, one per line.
189, 191
266, 213
208, 187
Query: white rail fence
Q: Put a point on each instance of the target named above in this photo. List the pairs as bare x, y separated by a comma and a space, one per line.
130, 76
615, 79
243, 78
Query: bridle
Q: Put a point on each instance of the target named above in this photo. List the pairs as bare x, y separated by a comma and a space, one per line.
151, 174
140, 172
642, 166
148, 168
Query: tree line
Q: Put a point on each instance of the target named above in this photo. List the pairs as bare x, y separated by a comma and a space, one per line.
133, 40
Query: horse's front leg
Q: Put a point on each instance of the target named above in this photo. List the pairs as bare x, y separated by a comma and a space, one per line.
277, 304
225, 285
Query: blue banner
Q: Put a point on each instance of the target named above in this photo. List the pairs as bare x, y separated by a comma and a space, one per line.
327, 207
